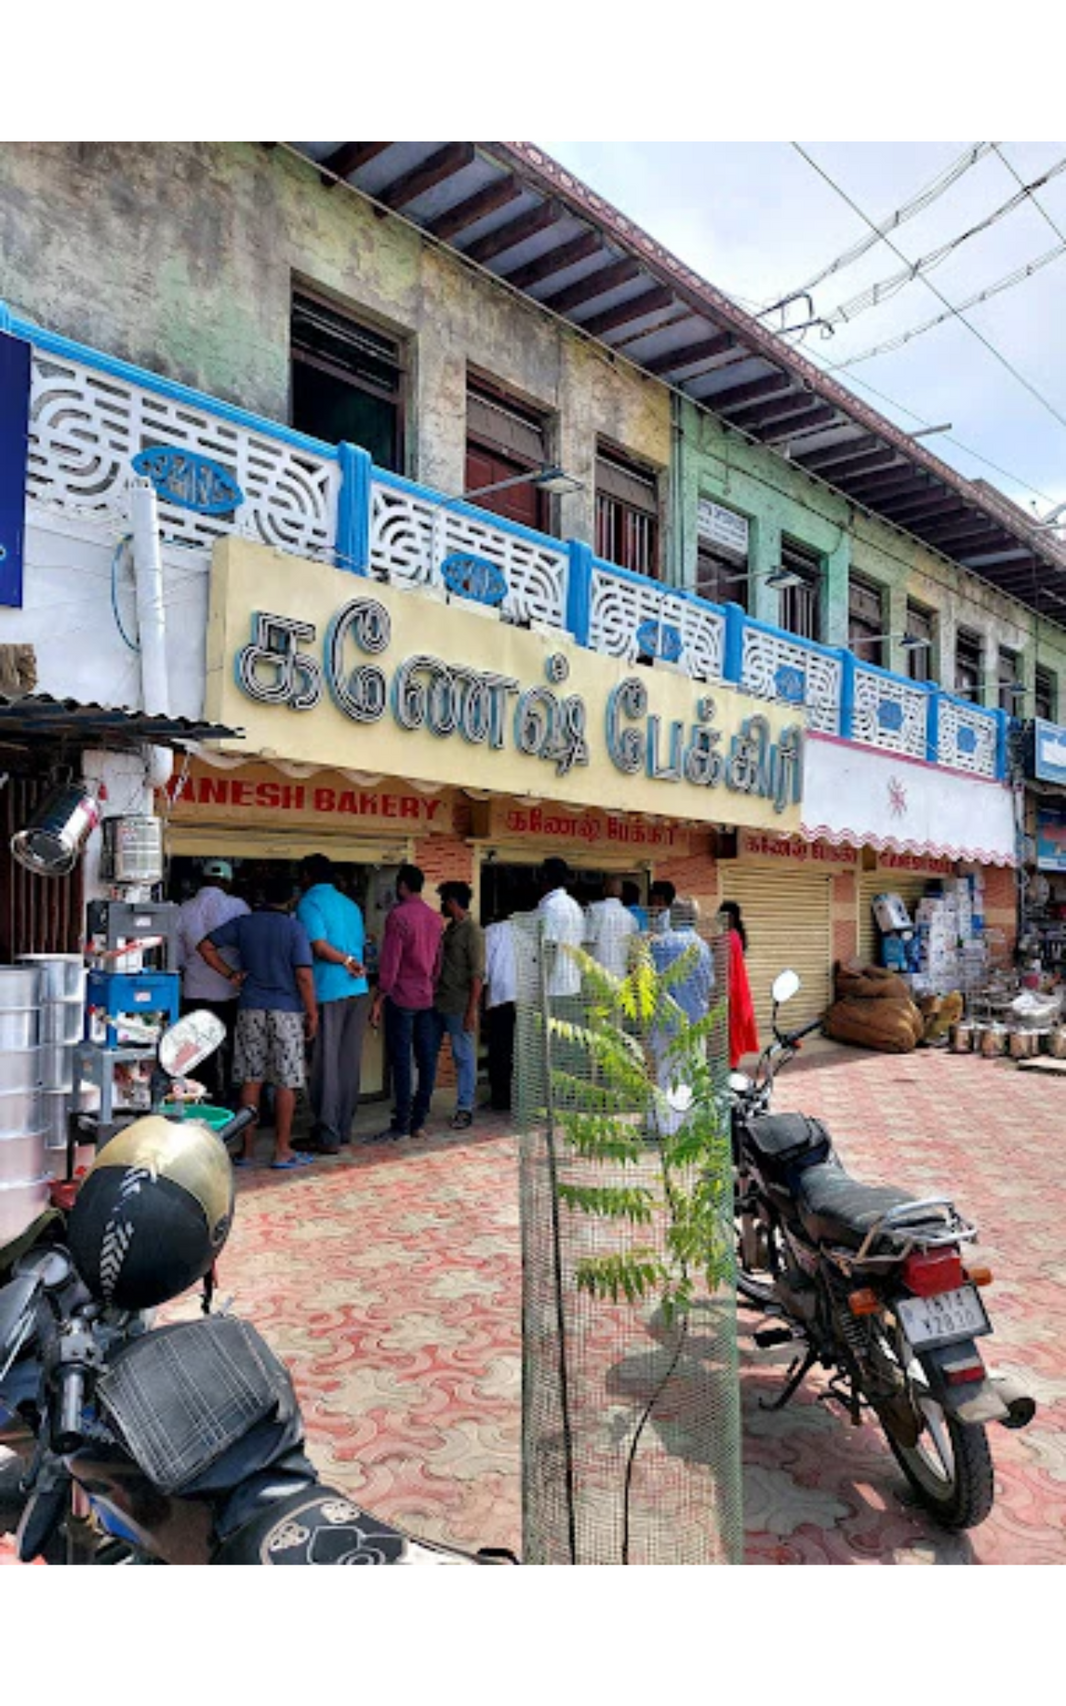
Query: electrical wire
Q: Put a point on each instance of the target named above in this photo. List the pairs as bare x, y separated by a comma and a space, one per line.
1017, 277
133, 645
989, 346
917, 204
1030, 192
886, 288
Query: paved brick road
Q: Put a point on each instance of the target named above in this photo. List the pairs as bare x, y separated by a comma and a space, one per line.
389, 1279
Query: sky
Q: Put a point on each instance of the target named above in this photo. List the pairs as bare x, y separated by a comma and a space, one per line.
757, 221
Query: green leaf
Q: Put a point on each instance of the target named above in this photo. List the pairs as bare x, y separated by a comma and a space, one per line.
614, 1202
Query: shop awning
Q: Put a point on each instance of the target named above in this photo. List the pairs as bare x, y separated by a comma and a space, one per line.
41, 717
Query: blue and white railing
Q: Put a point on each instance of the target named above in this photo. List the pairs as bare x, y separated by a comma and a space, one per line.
91, 415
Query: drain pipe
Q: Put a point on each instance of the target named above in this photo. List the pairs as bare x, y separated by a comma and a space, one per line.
151, 620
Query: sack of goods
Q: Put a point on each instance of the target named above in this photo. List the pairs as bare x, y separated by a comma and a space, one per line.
873, 1009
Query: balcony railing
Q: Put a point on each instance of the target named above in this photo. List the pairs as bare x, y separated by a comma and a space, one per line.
91, 415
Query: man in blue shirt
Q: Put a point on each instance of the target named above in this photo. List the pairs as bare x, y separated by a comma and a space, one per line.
334, 926
276, 1010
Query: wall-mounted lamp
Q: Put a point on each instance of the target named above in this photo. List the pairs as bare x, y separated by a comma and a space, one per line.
782, 578
553, 480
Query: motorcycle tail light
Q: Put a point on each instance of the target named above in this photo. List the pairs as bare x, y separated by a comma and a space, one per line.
925, 1275
963, 1373
864, 1301
977, 1275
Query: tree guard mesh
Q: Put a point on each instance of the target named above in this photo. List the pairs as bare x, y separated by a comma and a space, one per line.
631, 1426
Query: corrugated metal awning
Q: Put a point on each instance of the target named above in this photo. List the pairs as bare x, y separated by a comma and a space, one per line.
40, 716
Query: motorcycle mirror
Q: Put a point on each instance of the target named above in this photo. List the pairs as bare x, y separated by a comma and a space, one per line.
786, 985
191, 1040
739, 1082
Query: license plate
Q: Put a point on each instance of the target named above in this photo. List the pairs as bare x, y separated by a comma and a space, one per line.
938, 1320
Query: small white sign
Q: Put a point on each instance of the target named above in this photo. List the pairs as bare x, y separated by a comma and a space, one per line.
723, 527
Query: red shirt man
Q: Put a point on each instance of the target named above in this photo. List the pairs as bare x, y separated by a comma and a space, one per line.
407, 971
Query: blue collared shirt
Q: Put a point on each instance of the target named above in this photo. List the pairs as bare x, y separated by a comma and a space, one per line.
327, 915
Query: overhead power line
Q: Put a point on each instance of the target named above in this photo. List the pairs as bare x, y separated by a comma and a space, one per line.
917, 204
1017, 277
1030, 192
971, 328
888, 287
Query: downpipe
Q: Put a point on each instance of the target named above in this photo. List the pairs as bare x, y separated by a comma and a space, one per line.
151, 620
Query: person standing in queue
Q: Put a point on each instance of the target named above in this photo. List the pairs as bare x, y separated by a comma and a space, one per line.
609, 925
213, 904
743, 1031
460, 980
407, 972
564, 927
334, 926
501, 995
277, 1011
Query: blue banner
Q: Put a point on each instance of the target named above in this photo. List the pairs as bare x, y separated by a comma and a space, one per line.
14, 439
1049, 751
1051, 838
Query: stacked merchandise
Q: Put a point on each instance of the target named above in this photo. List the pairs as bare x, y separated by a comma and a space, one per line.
61, 996
127, 1010
23, 1176
951, 952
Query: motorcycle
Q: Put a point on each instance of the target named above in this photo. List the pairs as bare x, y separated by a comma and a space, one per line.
181, 1444
878, 1287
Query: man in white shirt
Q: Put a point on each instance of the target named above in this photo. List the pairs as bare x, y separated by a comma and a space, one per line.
608, 929
564, 926
501, 991
212, 906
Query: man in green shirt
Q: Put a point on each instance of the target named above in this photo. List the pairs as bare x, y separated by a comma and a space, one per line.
460, 978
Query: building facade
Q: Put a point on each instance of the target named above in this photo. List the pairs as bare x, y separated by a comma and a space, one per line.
689, 656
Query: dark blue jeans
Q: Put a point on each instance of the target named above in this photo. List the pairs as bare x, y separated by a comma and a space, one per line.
407, 1029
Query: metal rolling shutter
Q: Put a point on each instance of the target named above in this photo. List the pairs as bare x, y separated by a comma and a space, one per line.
909, 885
787, 916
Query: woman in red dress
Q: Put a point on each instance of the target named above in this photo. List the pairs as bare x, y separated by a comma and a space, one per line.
743, 1034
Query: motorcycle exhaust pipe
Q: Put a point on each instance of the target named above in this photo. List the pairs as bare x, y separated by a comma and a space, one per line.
1021, 1406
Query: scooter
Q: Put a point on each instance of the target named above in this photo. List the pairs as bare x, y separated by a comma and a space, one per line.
168, 1445
878, 1287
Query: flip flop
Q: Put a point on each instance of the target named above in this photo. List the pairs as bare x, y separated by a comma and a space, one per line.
242, 1161
296, 1160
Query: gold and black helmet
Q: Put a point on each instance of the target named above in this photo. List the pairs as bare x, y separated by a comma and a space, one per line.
153, 1212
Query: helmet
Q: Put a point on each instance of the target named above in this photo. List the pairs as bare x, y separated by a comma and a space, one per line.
153, 1212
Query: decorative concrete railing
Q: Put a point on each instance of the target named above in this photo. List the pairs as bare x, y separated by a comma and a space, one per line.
95, 422
776, 665
889, 712
419, 539
632, 617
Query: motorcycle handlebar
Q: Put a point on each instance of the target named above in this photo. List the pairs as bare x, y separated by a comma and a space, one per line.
791, 1038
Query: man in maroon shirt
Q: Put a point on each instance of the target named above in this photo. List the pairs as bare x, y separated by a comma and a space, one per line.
407, 971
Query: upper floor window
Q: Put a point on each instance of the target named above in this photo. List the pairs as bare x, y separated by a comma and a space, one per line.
506, 441
721, 554
627, 513
866, 621
1046, 705
968, 653
348, 381
1009, 682
800, 609
921, 625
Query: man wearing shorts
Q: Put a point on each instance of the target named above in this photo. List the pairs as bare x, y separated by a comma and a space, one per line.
277, 1013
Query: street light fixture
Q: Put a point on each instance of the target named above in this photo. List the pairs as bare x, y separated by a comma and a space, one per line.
549, 479
908, 642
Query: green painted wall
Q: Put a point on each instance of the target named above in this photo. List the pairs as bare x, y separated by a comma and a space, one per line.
779, 498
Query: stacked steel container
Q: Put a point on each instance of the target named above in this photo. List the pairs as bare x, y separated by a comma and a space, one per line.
62, 1003
23, 1165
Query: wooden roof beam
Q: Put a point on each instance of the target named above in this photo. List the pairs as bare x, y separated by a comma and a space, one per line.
475, 207
851, 456
348, 158
596, 284
452, 158
528, 224
623, 313
688, 356
556, 260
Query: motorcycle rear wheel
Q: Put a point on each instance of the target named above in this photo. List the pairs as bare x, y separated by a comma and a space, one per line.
950, 1467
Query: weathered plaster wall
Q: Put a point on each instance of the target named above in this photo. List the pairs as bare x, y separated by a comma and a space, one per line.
779, 498
181, 257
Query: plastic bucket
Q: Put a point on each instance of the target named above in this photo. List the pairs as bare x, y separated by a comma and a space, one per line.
205, 1112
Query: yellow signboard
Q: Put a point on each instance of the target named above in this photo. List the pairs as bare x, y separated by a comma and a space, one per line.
323, 667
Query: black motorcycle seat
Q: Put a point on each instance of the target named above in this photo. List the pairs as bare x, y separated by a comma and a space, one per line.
837, 1209
319, 1525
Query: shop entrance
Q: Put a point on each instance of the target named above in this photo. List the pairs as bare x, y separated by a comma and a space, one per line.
372, 887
